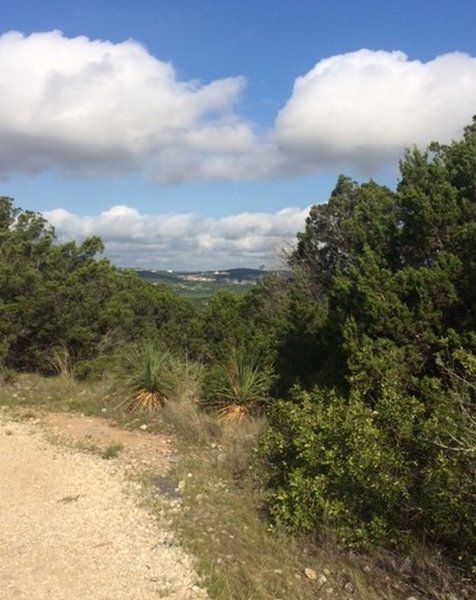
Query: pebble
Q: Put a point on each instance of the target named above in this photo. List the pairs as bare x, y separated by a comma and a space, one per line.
321, 581
349, 588
310, 574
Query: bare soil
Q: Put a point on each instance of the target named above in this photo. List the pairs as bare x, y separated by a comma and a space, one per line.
71, 523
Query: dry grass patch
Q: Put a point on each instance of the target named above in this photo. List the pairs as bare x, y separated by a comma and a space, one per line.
59, 393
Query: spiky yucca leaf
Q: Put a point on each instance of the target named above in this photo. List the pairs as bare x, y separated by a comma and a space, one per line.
237, 389
148, 378
233, 413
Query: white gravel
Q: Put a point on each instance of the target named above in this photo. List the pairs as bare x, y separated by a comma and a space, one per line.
71, 528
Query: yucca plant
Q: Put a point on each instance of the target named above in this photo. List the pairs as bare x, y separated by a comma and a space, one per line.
61, 361
237, 389
147, 375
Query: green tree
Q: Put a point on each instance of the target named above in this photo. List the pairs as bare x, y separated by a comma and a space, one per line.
383, 297
62, 297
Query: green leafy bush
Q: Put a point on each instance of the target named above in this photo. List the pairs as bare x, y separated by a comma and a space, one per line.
374, 476
330, 465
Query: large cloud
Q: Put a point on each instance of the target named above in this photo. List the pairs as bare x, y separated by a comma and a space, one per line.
85, 107
88, 107
363, 108
185, 241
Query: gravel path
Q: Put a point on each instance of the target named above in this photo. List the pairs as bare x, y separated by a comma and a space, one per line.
71, 528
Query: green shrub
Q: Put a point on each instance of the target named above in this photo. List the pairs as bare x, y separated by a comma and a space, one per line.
329, 465
380, 475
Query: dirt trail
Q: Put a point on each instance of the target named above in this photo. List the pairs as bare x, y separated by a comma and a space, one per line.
70, 523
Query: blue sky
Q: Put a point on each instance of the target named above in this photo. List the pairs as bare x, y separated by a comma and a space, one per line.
194, 134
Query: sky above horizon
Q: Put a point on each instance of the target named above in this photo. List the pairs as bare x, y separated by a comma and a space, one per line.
195, 134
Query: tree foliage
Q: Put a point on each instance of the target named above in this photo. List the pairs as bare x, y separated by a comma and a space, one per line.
383, 449
61, 296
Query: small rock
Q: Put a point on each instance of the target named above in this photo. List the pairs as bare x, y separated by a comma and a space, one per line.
349, 588
326, 572
321, 582
143, 427
412, 598
310, 574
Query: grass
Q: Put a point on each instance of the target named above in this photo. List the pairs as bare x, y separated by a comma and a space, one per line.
69, 499
109, 452
112, 451
59, 393
240, 557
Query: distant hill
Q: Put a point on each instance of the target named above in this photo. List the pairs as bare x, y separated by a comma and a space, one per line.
225, 275
200, 286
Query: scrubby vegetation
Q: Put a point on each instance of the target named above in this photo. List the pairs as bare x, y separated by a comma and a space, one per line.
366, 378
377, 440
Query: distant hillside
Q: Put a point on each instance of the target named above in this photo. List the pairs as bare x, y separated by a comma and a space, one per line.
226, 275
200, 286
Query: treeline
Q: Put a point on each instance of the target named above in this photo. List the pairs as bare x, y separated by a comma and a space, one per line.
364, 360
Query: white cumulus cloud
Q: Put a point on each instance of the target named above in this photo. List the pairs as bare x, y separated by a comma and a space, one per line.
363, 108
89, 107
84, 106
185, 241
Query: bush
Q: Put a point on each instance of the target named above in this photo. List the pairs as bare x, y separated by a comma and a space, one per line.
374, 475
329, 465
